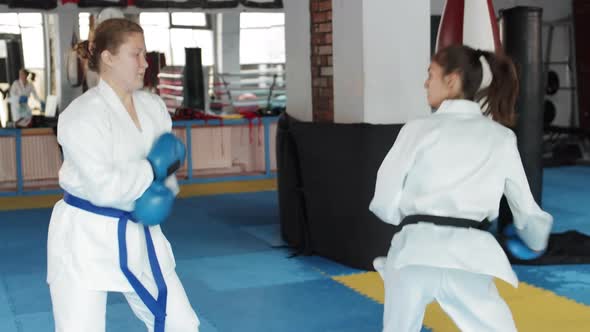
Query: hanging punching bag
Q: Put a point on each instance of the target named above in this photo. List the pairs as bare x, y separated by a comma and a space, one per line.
472, 23
522, 35
194, 84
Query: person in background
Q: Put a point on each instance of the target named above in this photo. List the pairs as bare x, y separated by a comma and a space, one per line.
20, 91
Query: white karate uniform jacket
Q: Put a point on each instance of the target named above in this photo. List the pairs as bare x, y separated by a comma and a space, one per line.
104, 162
456, 163
18, 89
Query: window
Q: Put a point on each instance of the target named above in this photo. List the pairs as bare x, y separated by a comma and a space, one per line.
262, 38
84, 25
170, 33
30, 27
156, 28
190, 20
9, 23
181, 38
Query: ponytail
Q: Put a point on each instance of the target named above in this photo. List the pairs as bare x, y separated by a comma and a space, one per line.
82, 50
499, 98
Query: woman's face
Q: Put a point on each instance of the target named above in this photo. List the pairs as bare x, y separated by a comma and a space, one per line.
127, 67
440, 87
22, 76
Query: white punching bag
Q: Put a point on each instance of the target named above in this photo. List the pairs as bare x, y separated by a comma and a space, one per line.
469, 22
472, 23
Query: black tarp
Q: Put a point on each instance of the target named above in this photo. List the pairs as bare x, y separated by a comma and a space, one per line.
326, 181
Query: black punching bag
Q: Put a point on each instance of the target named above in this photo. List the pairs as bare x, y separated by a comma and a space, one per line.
14, 59
522, 39
434, 24
193, 85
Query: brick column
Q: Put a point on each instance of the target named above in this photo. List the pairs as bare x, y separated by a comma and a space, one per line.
321, 60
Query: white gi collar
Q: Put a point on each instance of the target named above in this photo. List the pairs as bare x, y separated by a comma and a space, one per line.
458, 106
110, 97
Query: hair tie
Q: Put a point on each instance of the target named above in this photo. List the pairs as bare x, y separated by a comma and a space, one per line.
486, 71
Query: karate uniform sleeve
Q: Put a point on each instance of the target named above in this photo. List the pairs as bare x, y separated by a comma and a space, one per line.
34, 92
391, 177
87, 144
533, 225
14, 93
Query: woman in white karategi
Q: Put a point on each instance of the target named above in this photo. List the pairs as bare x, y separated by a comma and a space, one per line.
443, 177
93, 248
20, 91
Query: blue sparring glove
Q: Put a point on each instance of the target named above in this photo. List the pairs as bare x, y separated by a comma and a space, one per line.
154, 205
166, 156
509, 231
23, 99
516, 247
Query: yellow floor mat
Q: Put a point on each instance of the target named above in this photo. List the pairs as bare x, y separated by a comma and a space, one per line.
188, 190
534, 309
199, 189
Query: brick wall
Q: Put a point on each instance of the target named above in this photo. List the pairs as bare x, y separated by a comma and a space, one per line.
321, 60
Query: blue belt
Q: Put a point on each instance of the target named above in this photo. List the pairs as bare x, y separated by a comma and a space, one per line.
156, 306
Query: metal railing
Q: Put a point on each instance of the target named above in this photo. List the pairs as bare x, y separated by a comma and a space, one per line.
22, 189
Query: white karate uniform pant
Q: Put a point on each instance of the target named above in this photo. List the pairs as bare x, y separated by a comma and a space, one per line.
471, 300
76, 308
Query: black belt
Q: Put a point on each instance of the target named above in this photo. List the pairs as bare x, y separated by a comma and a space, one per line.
446, 221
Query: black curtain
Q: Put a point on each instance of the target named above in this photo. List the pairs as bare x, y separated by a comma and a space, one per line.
33, 4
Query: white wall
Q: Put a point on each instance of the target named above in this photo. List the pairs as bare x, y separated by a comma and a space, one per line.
65, 20
347, 60
380, 68
227, 40
395, 61
298, 52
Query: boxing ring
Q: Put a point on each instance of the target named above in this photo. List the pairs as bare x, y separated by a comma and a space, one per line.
217, 151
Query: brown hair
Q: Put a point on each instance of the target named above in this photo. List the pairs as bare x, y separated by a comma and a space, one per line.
109, 35
82, 49
499, 98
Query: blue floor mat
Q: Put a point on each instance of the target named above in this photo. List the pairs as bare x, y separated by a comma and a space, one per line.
565, 199
235, 209
35, 322
565, 220
28, 293
327, 266
571, 281
236, 281
24, 259
258, 269
9, 325
209, 239
24, 229
319, 305
6, 309
271, 234
574, 177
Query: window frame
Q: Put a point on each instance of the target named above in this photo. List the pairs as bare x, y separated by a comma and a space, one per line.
207, 26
